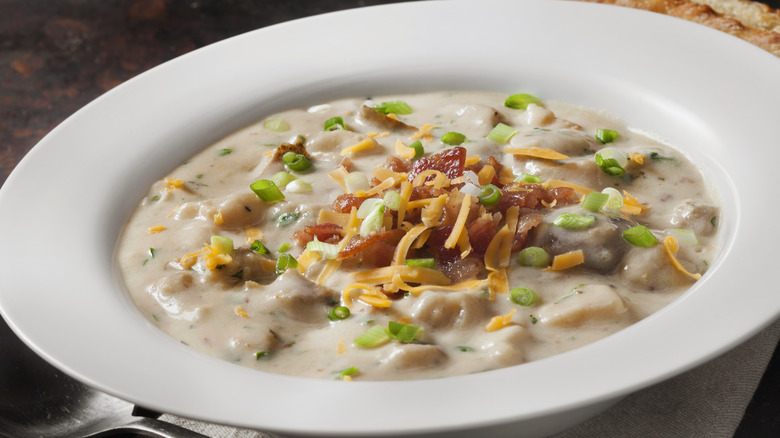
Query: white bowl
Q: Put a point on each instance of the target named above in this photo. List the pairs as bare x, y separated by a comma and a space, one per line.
61, 210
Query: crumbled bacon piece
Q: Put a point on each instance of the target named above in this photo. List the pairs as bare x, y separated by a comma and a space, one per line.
450, 162
396, 164
359, 244
344, 203
329, 233
481, 232
448, 260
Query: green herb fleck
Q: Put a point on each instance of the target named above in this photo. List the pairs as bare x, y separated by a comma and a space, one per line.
287, 219
226, 151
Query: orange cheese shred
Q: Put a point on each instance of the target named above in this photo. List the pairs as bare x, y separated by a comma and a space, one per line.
537, 152
567, 260
672, 246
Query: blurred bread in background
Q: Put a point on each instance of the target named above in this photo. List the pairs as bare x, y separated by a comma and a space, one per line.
754, 22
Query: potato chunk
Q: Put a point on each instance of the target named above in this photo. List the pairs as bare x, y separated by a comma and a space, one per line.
596, 302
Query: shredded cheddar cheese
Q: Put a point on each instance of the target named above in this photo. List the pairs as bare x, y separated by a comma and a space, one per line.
672, 246
423, 133
567, 260
156, 229
537, 152
364, 145
499, 322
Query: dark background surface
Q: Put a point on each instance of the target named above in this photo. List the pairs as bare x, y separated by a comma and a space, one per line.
58, 55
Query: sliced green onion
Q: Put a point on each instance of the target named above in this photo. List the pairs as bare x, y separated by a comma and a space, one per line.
338, 313
573, 221
299, 186
615, 201
605, 136
284, 262
421, 263
287, 219
392, 200
367, 206
281, 179
489, 195
266, 190
277, 125
258, 248
222, 244
356, 181
527, 177
502, 133
334, 124
262, 355
405, 333
453, 138
640, 236
684, 236
348, 372
521, 101
535, 257
295, 161
328, 251
373, 337
284, 247
394, 107
419, 151
374, 221
524, 296
612, 161
595, 201
226, 151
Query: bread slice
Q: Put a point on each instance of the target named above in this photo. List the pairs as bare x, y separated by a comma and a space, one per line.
754, 22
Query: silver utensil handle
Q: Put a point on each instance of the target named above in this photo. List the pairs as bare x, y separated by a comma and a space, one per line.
150, 427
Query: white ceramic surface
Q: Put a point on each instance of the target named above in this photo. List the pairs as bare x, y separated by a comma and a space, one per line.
61, 210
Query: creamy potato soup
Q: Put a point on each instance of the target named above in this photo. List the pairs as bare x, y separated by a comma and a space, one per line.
418, 236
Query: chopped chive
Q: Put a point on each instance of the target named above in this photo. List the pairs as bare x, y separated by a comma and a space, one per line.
295, 161
429, 263
405, 333
267, 191
605, 136
640, 236
281, 179
453, 138
615, 200
595, 201
152, 252
502, 133
527, 177
284, 247
287, 219
258, 247
334, 124
338, 313
572, 221
535, 257
394, 107
521, 101
262, 355
356, 181
373, 337
490, 195
222, 244
277, 125
285, 261
612, 161
299, 186
374, 221
348, 372
392, 200
524, 296
419, 151
328, 251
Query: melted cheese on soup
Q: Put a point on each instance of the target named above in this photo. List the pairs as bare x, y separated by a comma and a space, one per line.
420, 236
